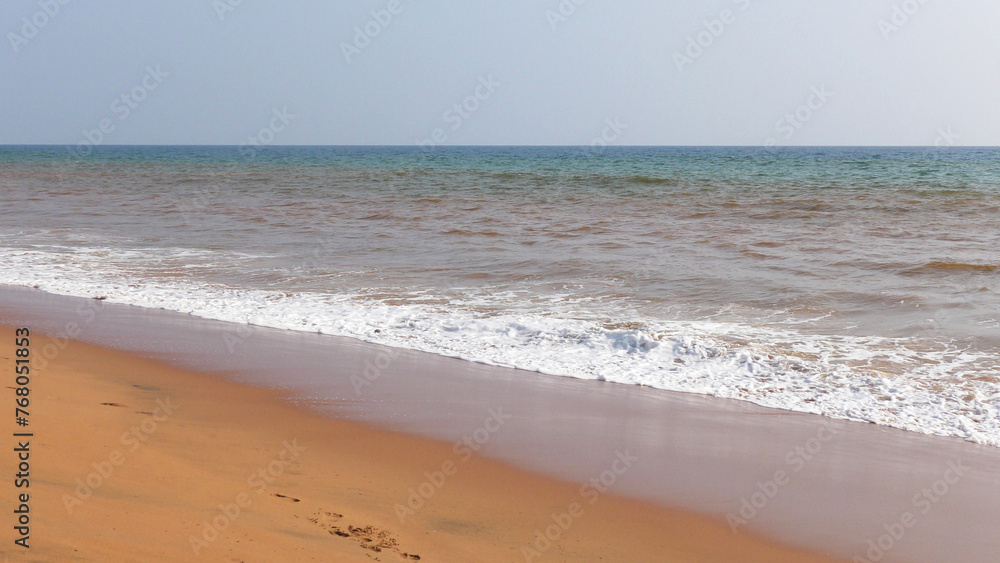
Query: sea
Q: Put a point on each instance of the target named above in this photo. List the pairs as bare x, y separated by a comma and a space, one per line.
855, 283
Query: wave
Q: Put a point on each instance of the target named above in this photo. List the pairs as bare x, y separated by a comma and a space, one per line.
654, 180
898, 382
938, 267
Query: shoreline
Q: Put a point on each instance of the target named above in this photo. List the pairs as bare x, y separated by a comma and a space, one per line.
699, 454
139, 460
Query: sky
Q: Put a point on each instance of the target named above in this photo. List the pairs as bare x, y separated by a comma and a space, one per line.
476, 72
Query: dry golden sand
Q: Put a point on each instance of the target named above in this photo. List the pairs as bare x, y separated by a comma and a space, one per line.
331, 499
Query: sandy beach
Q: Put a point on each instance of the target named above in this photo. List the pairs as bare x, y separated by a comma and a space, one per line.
456, 461
134, 460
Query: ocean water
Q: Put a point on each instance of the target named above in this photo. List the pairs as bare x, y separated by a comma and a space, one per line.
857, 283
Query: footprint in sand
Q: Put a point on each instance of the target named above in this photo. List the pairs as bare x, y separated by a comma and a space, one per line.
372, 538
368, 537
325, 519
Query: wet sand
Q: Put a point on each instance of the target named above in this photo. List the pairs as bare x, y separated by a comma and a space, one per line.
804, 480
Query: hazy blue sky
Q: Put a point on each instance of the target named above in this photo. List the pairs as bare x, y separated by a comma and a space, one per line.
226, 68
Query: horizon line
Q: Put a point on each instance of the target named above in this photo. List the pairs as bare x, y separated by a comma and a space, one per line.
415, 146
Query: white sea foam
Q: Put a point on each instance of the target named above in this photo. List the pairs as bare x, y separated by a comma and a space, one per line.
894, 382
